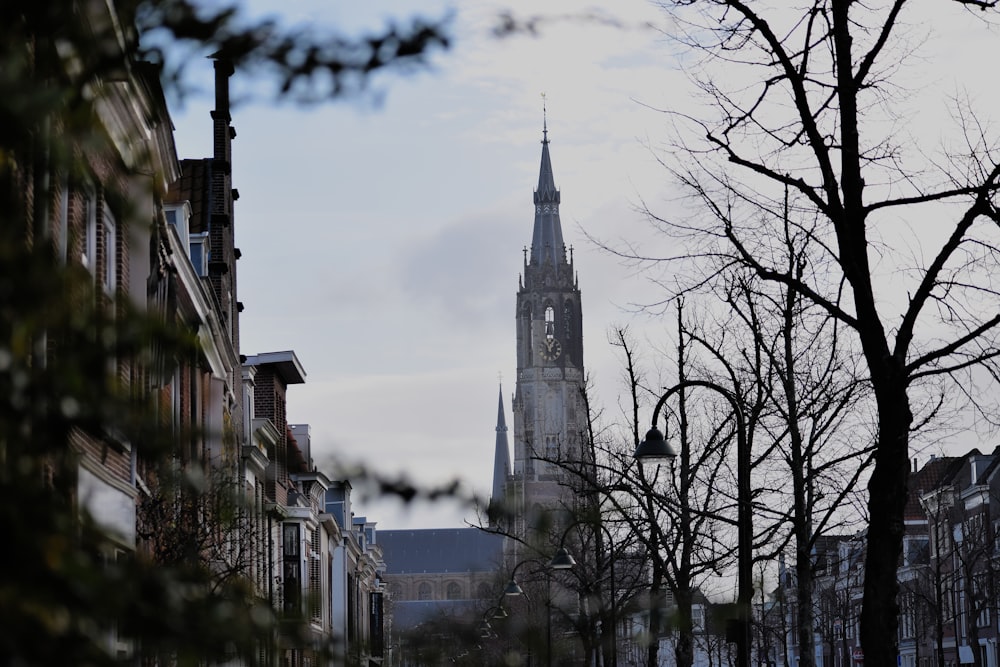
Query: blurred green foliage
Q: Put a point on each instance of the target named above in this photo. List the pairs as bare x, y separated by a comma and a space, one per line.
65, 587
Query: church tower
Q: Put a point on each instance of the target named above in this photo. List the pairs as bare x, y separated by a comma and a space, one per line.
550, 421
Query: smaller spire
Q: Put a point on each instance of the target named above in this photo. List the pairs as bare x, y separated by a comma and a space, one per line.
501, 457
501, 421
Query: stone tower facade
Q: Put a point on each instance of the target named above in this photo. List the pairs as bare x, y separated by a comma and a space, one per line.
550, 420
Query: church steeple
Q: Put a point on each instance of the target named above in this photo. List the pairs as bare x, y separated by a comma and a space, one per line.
547, 240
501, 456
550, 417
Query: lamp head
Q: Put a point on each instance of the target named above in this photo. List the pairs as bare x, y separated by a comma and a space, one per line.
513, 588
654, 449
562, 560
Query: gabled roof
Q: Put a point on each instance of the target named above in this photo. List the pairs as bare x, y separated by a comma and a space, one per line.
933, 475
992, 468
193, 186
440, 550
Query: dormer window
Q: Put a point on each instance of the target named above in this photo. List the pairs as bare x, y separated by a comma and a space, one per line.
199, 253
178, 217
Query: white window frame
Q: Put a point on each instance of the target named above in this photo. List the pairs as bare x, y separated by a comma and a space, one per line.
63, 243
109, 268
201, 240
88, 256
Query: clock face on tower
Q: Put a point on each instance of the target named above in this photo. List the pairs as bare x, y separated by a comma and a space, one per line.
550, 349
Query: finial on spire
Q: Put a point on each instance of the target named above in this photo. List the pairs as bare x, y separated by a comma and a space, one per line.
545, 122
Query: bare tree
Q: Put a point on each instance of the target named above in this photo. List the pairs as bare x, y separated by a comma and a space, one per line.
201, 517
806, 101
790, 351
674, 514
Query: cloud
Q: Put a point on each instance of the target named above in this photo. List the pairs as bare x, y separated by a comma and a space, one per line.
465, 272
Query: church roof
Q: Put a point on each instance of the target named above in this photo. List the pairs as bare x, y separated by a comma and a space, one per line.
440, 550
408, 614
547, 239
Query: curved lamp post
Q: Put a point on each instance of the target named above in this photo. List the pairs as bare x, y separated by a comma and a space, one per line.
562, 560
655, 449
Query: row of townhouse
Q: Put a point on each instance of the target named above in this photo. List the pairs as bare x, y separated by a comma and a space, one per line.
949, 596
154, 234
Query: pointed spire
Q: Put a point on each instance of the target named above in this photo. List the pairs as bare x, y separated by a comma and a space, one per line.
547, 240
546, 182
501, 457
545, 121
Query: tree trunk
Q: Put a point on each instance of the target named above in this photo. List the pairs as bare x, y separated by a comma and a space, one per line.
684, 648
887, 486
886, 501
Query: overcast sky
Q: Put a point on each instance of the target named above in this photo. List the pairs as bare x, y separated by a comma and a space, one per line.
382, 240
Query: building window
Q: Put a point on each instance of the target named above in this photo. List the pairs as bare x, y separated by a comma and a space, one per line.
550, 322
698, 618
63, 240
424, 591
88, 256
552, 448
315, 583
917, 551
907, 623
291, 567
109, 263
199, 253
981, 599
454, 591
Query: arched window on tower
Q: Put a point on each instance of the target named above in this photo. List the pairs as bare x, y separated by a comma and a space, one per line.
550, 322
552, 449
567, 320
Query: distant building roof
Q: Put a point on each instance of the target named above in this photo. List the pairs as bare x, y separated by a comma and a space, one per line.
925, 480
409, 614
440, 550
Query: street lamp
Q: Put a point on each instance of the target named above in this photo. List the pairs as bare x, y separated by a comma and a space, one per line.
562, 560
513, 588
563, 556
654, 449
